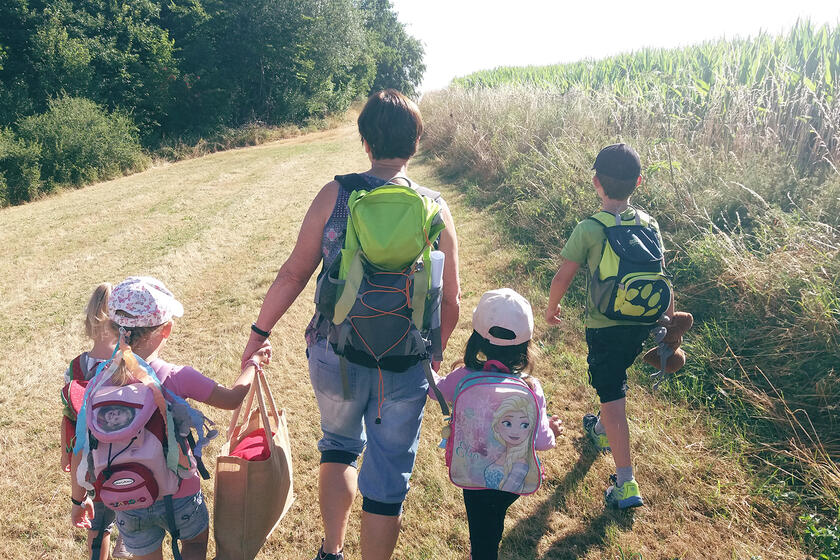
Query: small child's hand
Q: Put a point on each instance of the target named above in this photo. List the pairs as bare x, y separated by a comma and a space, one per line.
263, 355
82, 516
552, 315
556, 425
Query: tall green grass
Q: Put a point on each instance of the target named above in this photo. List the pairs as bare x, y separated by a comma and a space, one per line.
740, 145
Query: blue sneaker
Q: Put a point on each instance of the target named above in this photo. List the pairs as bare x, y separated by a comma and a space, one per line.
601, 442
625, 496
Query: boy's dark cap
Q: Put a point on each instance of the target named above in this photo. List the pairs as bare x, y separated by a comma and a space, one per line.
618, 161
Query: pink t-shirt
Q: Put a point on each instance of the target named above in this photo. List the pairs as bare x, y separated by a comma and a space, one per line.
187, 383
448, 384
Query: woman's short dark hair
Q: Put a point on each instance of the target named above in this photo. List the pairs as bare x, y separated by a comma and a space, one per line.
518, 358
391, 125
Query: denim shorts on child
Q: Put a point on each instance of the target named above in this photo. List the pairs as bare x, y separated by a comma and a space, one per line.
102, 514
142, 530
349, 425
611, 351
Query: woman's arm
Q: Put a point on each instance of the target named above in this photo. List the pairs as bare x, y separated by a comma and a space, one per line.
450, 306
298, 268
228, 399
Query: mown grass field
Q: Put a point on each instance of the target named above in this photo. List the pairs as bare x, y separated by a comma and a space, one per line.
216, 229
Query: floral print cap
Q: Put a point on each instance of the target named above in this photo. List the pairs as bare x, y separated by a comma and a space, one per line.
145, 300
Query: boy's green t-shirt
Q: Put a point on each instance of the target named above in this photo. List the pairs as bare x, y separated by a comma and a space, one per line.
584, 246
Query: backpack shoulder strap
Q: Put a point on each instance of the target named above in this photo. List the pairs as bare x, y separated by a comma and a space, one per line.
77, 368
352, 182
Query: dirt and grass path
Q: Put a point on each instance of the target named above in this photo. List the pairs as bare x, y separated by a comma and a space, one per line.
215, 230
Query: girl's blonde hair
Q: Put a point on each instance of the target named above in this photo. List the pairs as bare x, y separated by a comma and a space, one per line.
518, 453
134, 335
96, 311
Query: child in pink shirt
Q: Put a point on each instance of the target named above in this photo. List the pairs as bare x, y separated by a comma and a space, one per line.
503, 325
144, 310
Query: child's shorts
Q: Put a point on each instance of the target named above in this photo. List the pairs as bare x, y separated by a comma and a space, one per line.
143, 530
611, 351
102, 514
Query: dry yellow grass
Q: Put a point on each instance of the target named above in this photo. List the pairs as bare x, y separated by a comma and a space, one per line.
216, 229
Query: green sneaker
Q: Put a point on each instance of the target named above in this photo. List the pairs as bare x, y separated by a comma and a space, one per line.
622, 497
601, 442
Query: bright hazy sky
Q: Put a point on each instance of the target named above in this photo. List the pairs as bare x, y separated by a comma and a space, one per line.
462, 36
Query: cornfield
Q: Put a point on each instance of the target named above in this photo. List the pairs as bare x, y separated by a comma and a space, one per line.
791, 80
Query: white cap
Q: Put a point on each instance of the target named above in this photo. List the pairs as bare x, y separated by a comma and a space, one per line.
146, 300
507, 309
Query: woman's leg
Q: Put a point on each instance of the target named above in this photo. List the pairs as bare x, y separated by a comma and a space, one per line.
336, 491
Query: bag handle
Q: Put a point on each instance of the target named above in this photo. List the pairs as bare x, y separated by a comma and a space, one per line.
272, 447
235, 418
259, 387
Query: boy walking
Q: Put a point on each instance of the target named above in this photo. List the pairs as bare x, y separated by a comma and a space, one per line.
614, 331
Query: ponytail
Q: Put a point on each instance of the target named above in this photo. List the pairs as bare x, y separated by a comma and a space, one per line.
129, 337
96, 311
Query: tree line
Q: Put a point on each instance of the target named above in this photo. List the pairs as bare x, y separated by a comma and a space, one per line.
178, 69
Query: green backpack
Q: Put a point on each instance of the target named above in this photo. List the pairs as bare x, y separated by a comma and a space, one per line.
629, 283
378, 295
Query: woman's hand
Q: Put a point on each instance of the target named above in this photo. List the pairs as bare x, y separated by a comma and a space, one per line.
82, 516
556, 425
263, 355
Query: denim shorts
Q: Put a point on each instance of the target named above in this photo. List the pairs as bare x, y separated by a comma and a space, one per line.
349, 425
101, 513
611, 351
142, 530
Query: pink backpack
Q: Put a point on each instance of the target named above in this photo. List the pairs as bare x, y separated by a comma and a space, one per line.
129, 460
493, 428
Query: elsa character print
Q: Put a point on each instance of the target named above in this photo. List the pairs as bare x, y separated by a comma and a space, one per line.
513, 427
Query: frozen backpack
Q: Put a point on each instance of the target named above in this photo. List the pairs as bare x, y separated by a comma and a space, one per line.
492, 432
72, 395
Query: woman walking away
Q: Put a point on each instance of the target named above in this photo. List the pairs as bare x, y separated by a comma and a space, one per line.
370, 389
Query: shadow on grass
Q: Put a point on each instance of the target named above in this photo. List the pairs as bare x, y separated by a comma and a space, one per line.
522, 539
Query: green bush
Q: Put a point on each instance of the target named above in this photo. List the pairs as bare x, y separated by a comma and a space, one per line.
82, 143
20, 173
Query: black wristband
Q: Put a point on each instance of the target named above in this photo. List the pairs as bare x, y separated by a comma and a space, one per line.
76, 502
259, 331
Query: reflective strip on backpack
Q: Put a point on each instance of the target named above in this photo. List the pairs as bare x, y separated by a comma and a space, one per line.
422, 278
351, 288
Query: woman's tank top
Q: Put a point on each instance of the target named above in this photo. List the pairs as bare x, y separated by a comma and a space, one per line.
333, 241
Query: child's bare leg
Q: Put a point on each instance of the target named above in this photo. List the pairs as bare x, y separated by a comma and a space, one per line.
156, 555
614, 420
196, 547
105, 552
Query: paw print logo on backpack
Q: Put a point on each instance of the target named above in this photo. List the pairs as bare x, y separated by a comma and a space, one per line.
644, 298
